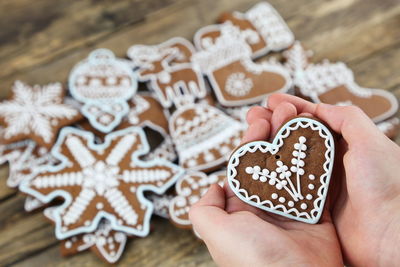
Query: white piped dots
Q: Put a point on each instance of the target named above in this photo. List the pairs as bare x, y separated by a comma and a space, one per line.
282, 199
249, 170
309, 196
311, 186
274, 195
291, 204
303, 206
311, 177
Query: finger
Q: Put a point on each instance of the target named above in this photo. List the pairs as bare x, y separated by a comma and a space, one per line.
208, 214
234, 204
258, 130
228, 191
282, 113
302, 106
258, 112
306, 114
350, 121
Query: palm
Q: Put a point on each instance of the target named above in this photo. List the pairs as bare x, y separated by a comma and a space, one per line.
292, 241
368, 181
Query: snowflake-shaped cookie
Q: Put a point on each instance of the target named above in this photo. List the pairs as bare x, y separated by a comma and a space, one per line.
23, 157
35, 113
102, 181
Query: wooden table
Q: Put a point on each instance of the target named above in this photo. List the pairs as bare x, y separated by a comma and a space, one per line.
41, 40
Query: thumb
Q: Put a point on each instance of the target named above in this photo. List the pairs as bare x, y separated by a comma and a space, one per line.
350, 121
208, 214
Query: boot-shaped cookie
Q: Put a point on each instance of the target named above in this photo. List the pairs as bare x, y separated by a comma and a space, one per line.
333, 83
234, 77
168, 70
273, 32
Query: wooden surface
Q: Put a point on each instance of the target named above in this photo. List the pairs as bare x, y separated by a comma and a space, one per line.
41, 40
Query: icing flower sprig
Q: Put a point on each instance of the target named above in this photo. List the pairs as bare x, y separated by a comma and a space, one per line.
271, 177
280, 178
298, 162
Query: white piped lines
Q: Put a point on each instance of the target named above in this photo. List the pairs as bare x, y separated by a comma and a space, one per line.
79, 151
121, 205
97, 181
58, 180
120, 150
306, 206
78, 206
145, 175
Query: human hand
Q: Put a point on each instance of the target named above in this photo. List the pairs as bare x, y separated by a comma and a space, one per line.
238, 234
367, 179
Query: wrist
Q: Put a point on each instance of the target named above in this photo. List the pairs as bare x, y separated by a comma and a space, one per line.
388, 248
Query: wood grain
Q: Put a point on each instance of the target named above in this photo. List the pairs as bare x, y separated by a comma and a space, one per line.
41, 40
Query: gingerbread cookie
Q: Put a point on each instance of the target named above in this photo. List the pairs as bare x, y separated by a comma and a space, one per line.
161, 203
146, 111
101, 181
204, 136
24, 158
239, 113
104, 241
103, 83
390, 127
333, 83
272, 31
32, 204
189, 189
289, 176
168, 70
234, 77
36, 113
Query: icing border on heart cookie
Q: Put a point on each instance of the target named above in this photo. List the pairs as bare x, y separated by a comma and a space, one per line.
273, 148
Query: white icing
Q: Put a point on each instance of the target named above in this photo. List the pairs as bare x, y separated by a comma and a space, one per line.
388, 125
105, 82
35, 110
230, 50
190, 188
238, 85
288, 211
168, 83
271, 27
198, 137
316, 79
95, 180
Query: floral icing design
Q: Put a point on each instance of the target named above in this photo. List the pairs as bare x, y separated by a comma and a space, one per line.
305, 191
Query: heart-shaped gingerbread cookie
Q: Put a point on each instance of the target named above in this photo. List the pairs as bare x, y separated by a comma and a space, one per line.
289, 176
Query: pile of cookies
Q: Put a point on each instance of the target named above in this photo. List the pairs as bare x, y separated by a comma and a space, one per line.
100, 156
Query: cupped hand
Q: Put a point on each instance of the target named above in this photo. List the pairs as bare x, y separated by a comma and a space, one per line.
238, 234
365, 200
